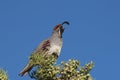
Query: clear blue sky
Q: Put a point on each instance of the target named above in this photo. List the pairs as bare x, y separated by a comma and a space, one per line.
94, 33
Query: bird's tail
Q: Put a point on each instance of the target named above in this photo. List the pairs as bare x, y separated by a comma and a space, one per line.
26, 70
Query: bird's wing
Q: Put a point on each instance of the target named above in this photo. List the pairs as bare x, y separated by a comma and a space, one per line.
44, 46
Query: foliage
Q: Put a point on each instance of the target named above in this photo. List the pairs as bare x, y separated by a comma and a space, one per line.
47, 69
3, 75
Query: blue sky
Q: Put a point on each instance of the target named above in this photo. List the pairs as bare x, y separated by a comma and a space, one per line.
94, 33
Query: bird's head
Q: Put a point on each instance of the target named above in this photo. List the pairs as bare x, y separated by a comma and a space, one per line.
59, 29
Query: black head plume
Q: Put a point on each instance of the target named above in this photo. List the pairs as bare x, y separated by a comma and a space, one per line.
65, 22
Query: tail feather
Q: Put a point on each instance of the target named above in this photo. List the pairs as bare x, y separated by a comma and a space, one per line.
26, 70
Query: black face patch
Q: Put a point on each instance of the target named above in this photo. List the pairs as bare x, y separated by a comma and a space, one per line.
61, 30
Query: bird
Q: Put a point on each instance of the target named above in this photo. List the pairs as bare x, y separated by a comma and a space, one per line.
51, 46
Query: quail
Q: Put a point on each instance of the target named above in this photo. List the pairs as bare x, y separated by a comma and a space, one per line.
51, 46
